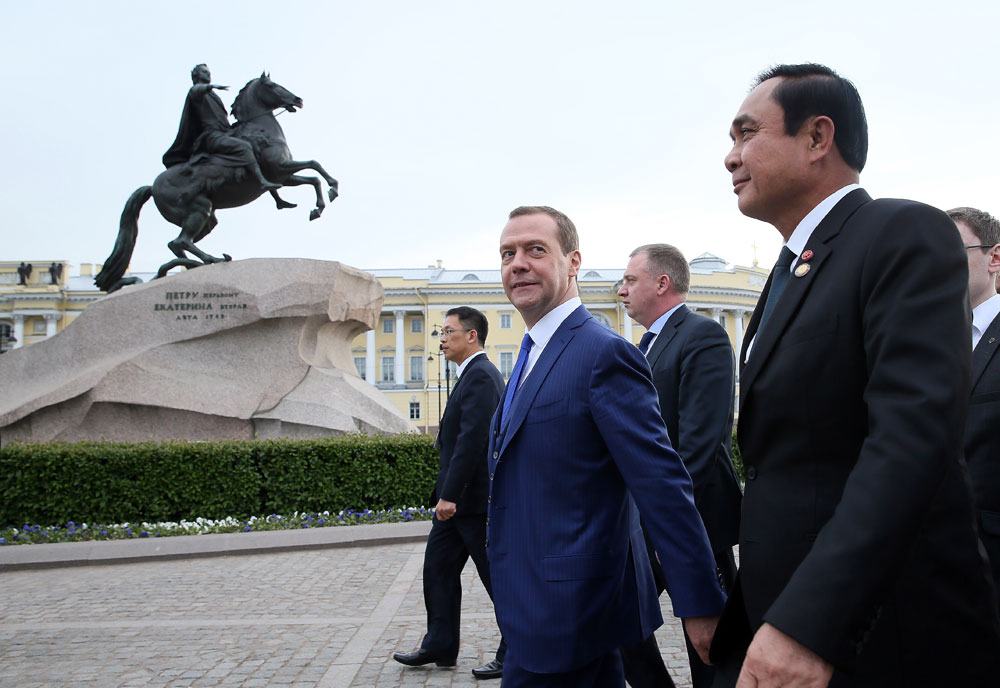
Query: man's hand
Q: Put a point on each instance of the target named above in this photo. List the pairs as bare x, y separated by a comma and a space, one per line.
701, 630
774, 659
444, 510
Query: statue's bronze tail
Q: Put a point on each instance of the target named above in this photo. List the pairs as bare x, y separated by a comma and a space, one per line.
128, 229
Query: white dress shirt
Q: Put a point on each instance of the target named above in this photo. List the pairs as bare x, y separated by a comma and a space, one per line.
543, 330
658, 324
982, 317
465, 363
800, 236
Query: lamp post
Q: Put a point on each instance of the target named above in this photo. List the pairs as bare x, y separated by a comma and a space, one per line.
447, 374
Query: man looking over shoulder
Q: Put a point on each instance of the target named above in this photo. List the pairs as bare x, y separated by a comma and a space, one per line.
694, 375
569, 462
859, 561
980, 233
459, 528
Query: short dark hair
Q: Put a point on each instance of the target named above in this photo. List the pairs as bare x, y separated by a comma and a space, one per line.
471, 319
983, 225
196, 67
664, 259
813, 89
569, 240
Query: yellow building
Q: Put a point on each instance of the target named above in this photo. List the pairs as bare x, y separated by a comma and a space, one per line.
401, 356
47, 301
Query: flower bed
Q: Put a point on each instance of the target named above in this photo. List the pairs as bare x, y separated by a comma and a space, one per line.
78, 532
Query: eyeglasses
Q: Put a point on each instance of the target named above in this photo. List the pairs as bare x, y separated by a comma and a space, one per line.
449, 331
979, 246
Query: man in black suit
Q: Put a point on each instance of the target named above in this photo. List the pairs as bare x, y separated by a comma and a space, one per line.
459, 528
694, 374
859, 561
980, 233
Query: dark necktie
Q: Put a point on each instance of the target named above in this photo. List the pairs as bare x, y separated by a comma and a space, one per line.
779, 278
515, 375
644, 342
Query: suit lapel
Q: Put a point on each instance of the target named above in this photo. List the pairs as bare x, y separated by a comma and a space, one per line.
666, 334
795, 290
529, 389
985, 350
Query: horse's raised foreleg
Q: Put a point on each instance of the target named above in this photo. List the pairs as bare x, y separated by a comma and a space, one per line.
299, 180
294, 166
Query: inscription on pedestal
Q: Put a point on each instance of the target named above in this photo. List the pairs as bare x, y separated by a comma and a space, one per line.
193, 305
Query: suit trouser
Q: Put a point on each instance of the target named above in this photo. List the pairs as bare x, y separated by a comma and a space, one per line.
449, 546
644, 666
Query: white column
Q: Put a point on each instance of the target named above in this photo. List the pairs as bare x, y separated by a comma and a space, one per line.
628, 328
738, 314
717, 315
400, 348
370, 357
50, 323
18, 330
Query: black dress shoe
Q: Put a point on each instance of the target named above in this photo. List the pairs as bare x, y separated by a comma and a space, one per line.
492, 669
421, 657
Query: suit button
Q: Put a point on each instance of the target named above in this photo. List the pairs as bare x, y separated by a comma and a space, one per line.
491, 476
496, 455
489, 500
487, 543
751, 472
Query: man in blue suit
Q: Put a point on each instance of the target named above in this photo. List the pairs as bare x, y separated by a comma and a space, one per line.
576, 446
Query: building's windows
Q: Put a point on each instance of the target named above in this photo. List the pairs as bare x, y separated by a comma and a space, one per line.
359, 363
38, 325
388, 369
506, 363
387, 325
505, 321
414, 410
417, 325
417, 368
722, 321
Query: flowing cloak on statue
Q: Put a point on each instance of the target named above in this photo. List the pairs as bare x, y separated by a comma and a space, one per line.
205, 128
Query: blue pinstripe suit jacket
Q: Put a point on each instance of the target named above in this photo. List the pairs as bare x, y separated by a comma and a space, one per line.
584, 444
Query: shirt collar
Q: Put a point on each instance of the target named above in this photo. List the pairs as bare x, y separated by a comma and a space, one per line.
465, 363
543, 330
658, 324
984, 313
797, 241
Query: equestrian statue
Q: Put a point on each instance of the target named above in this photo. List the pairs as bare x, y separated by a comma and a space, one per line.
213, 164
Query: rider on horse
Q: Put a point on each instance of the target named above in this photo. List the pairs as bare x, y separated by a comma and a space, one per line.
205, 128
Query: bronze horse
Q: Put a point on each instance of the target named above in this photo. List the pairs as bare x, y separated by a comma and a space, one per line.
188, 194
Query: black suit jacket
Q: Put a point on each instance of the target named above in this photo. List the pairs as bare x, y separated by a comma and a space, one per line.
464, 436
982, 441
694, 374
857, 536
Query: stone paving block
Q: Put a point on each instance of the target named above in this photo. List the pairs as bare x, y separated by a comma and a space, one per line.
304, 619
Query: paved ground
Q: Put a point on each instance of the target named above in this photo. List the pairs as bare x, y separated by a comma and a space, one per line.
297, 609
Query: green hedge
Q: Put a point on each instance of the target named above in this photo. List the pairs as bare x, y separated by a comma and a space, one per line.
105, 482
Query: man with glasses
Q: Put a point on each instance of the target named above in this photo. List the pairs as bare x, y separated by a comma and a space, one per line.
459, 527
980, 233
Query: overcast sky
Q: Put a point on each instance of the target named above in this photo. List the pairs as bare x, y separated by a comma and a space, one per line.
439, 117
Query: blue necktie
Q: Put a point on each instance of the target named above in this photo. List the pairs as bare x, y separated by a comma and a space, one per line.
644, 342
515, 375
779, 277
